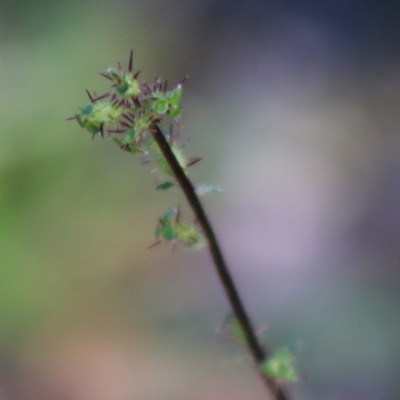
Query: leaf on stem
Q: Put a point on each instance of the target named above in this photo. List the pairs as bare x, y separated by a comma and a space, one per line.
165, 186
231, 329
280, 366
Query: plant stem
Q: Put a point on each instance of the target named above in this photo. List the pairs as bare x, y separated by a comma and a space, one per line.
259, 353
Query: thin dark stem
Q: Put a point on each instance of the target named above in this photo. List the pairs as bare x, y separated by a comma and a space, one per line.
259, 353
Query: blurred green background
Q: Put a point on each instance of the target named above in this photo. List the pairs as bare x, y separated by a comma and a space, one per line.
294, 107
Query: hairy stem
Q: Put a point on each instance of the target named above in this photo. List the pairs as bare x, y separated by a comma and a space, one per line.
258, 352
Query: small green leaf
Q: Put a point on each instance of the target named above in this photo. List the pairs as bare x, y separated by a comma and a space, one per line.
175, 96
119, 141
122, 88
92, 127
232, 329
161, 106
175, 112
97, 115
165, 186
165, 228
168, 233
189, 236
169, 215
88, 110
180, 155
81, 122
280, 366
130, 135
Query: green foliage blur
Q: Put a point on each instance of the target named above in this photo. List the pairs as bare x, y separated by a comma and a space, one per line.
75, 215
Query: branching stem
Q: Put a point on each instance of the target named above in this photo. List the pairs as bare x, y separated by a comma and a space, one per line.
259, 353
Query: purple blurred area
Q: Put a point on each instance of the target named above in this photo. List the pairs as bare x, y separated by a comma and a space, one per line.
295, 108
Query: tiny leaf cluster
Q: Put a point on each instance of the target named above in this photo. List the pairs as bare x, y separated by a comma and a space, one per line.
280, 365
127, 113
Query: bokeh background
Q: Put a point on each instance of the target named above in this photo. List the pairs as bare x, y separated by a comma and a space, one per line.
294, 106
